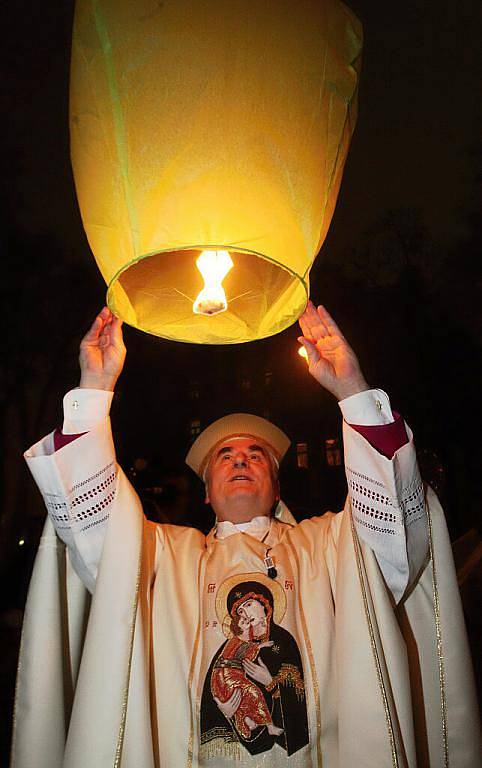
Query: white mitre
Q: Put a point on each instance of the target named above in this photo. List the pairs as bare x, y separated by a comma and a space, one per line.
240, 425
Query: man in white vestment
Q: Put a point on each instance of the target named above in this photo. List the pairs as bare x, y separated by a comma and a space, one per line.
335, 642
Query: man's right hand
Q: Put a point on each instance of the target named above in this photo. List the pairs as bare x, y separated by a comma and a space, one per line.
102, 353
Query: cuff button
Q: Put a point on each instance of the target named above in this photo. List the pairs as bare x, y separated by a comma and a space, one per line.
75, 405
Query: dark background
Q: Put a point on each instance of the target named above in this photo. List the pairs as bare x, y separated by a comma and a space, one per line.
399, 271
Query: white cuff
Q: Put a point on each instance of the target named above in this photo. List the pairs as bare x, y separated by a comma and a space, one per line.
367, 409
84, 409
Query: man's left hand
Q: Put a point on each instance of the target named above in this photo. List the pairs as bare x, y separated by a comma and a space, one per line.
331, 360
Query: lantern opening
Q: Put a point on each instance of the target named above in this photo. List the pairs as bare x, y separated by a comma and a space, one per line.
157, 293
213, 266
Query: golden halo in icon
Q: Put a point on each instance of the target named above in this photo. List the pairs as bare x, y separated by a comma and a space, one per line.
279, 597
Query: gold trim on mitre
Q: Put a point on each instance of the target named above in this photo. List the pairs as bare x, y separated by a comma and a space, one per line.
235, 425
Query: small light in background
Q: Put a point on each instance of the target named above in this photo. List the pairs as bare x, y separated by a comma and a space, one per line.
333, 452
194, 428
303, 353
21, 542
302, 455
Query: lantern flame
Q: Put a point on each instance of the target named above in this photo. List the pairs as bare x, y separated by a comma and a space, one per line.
303, 353
213, 266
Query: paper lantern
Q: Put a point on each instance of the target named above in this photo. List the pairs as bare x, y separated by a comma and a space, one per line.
210, 126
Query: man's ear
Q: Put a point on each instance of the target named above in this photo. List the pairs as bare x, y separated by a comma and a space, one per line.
206, 495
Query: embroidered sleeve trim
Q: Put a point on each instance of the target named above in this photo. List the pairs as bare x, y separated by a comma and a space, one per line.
82, 511
375, 528
365, 477
413, 501
379, 511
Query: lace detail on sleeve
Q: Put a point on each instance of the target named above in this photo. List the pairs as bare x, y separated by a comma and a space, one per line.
380, 512
371, 507
87, 504
57, 509
413, 501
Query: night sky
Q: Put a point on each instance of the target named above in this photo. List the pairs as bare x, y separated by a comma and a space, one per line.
399, 268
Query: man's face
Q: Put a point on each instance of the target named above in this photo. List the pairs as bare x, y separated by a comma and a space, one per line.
240, 481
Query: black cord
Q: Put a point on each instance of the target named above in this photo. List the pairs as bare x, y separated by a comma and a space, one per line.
269, 564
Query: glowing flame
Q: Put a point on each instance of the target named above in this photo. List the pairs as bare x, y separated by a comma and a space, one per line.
303, 353
213, 266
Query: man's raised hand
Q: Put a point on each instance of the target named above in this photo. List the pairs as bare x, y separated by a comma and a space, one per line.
331, 360
102, 352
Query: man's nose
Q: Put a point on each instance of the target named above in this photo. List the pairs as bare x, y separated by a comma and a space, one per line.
240, 459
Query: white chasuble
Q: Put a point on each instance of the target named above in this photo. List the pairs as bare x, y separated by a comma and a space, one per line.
329, 671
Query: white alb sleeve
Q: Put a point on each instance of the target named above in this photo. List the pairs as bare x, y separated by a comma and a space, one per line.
369, 408
388, 507
78, 482
84, 409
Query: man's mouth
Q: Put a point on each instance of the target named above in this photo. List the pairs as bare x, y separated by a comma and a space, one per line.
240, 477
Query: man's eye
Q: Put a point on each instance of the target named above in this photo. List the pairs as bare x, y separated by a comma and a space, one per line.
226, 457
256, 456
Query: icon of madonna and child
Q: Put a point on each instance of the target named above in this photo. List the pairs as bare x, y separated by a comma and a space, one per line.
254, 691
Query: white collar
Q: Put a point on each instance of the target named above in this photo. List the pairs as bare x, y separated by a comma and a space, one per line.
256, 527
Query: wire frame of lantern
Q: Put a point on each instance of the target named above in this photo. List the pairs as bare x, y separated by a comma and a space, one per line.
219, 127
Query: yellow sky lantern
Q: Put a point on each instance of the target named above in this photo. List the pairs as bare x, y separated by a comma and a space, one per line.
216, 128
